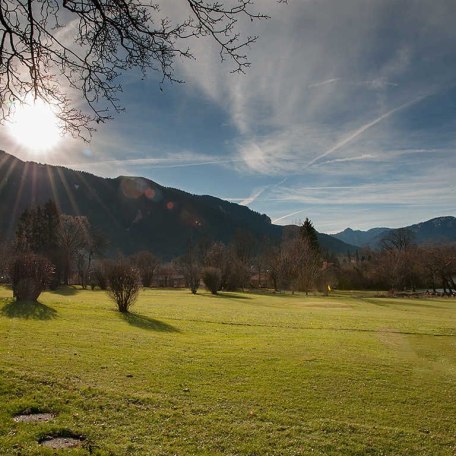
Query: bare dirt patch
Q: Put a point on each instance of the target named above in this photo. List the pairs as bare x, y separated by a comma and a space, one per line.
61, 442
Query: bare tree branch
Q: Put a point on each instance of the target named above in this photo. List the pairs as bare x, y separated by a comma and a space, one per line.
53, 49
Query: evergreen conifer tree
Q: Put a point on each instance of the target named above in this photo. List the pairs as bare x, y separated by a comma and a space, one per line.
309, 233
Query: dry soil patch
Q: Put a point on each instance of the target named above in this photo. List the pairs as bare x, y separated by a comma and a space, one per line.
61, 442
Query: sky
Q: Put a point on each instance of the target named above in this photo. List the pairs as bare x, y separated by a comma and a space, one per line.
346, 116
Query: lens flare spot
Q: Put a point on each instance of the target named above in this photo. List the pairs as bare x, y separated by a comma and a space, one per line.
149, 193
133, 187
158, 195
170, 205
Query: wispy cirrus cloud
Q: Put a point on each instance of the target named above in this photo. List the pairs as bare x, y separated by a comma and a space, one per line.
373, 194
360, 131
323, 83
364, 206
366, 87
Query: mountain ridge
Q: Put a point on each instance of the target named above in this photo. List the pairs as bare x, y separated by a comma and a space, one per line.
134, 213
433, 231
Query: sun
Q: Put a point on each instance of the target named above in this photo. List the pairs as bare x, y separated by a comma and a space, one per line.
35, 126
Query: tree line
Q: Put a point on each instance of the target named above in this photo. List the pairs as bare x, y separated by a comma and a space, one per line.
400, 264
51, 248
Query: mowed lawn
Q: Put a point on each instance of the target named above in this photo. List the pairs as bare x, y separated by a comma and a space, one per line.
238, 374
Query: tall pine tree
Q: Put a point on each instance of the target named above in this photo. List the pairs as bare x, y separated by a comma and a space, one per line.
309, 234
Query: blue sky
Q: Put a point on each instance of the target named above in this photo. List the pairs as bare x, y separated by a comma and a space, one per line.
346, 116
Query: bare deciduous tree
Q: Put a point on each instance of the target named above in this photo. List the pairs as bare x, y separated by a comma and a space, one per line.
190, 266
95, 245
72, 237
401, 240
440, 266
50, 46
299, 265
271, 260
398, 261
98, 276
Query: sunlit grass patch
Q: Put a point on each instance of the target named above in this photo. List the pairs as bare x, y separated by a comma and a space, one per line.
239, 373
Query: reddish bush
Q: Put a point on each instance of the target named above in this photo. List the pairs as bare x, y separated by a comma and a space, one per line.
30, 274
124, 282
212, 278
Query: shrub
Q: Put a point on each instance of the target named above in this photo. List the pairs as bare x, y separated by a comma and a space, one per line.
190, 267
237, 275
124, 282
98, 277
30, 274
212, 278
192, 277
147, 264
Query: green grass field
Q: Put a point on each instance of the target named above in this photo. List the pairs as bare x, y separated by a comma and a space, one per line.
242, 373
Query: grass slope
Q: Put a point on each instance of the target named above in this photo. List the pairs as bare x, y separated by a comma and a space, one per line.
243, 374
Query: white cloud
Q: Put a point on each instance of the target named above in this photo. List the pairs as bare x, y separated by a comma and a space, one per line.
365, 206
412, 191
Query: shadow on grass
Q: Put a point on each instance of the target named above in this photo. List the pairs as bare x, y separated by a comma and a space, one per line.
225, 295
28, 310
278, 294
65, 291
400, 302
140, 321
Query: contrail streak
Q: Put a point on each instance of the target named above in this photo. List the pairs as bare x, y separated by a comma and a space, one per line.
250, 199
151, 163
361, 130
288, 215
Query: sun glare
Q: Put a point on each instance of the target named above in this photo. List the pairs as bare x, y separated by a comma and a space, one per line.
35, 126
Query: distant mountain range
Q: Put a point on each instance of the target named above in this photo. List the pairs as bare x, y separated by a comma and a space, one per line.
435, 231
133, 213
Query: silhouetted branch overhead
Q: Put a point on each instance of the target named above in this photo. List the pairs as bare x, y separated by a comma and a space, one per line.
53, 49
